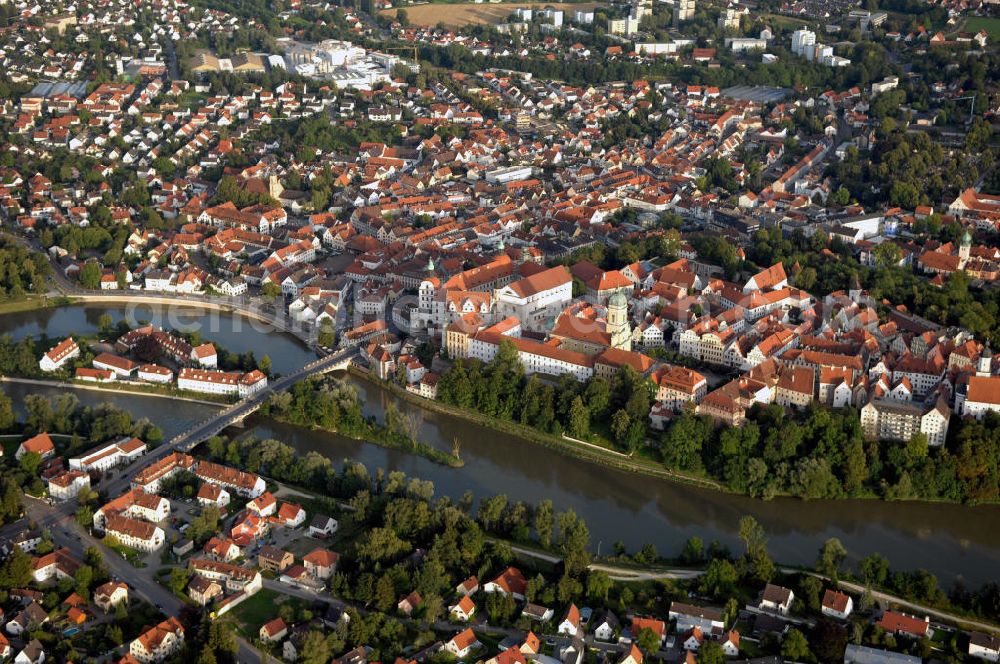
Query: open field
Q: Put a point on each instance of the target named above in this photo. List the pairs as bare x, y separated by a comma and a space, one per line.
790, 22
990, 25
457, 15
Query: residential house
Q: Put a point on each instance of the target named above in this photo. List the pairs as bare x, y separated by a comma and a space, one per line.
510, 582
463, 609
159, 642
570, 624
322, 526
837, 604
462, 644
777, 599
273, 559
274, 630
321, 563
109, 595
902, 624
984, 646
40, 445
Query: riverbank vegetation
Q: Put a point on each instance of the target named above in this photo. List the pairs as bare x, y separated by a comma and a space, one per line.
822, 453
615, 410
74, 428
85, 425
332, 404
22, 272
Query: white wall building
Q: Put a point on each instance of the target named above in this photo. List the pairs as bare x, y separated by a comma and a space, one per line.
537, 299
56, 358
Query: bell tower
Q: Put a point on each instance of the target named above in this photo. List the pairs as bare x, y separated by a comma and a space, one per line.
617, 325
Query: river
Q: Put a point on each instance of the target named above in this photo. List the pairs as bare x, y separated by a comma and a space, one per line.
237, 334
948, 540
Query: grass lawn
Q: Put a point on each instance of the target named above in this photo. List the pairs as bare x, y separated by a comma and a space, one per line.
787, 21
10, 443
990, 25
600, 434
29, 303
132, 555
261, 608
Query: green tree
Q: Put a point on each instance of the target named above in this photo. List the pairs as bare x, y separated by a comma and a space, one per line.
270, 290
579, 418
874, 569
710, 652
598, 586
719, 580
694, 551
90, 275
887, 254
30, 462
543, 522
620, 423
795, 646
648, 640
831, 556
316, 648
326, 336
756, 556
105, 323
7, 416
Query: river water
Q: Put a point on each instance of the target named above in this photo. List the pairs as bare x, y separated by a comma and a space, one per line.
948, 540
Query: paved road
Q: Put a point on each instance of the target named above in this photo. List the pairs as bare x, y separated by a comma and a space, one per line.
630, 574
67, 533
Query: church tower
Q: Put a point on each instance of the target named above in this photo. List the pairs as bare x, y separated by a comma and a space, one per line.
617, 325
985, 365
963, 249
274, 188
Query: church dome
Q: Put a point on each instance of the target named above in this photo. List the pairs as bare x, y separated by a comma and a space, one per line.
618, 300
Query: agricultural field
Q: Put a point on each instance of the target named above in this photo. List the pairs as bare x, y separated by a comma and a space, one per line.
459, 14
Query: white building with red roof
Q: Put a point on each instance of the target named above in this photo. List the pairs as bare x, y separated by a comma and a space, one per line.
108, 456
122, 367
244, 483
206, 356
321, 563
159, 642
65, 486
981, 396
57, 357
537, 299
40, 445
291, 515
221, 382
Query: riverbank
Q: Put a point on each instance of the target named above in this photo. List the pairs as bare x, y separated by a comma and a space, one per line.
578, 449
312, 410
232, 308
383, 439
32, 303
111, 388
637, 463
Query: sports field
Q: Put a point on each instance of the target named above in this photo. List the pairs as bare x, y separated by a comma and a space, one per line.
459, 14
